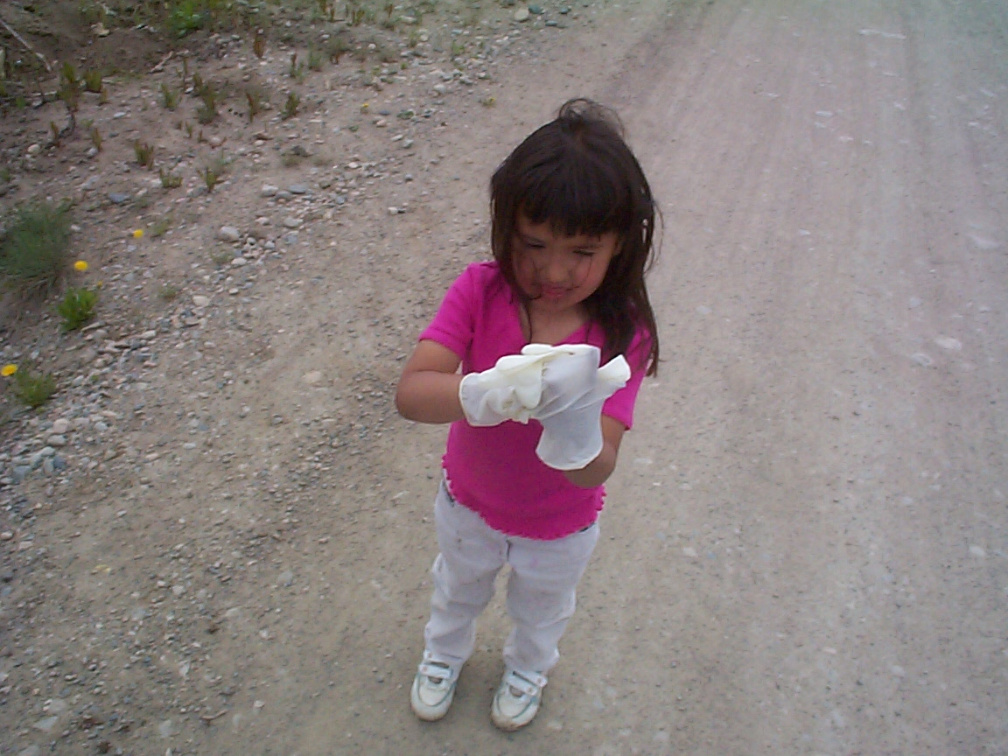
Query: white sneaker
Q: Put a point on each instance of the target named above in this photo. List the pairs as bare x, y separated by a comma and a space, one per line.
433, 689
517, 699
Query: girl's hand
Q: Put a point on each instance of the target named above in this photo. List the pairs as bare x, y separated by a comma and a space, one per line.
572, 431
510, 390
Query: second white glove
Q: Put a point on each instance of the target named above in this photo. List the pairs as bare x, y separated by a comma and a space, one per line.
574, 388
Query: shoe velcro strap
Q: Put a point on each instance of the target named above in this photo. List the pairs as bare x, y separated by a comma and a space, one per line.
437, 670
528, 683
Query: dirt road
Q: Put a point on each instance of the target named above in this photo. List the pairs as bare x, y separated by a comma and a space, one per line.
805, 545
807, 536
806, 541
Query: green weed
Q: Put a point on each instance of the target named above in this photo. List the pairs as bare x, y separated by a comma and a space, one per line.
296, 70
34, 252
207, 112
169, 97
77, 307
169, 292
314, 60
169, 180
187, 16
255, 98
33, 388
161, 225
93, 81
211, 174
70, 88
336, 47
144, 154
291, 106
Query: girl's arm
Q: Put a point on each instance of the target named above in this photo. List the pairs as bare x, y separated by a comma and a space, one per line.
428, 390
597, 472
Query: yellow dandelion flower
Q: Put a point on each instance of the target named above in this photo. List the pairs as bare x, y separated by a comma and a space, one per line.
8, 370
81, 265
138, 234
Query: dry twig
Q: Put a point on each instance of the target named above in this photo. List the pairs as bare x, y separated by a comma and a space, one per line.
19, 38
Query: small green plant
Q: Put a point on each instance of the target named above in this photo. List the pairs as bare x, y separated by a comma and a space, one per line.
314, 59
31, 387
327, 9
290, 108
187, 16
93, 81
255, 98
207, 112
355, 14
259, 44
160, 226
77, 307
70, 88
296, 70
292, 158
210, 175
169, 180
144, 153
336, 48
169, 97
169, 292
96, 138
34, 252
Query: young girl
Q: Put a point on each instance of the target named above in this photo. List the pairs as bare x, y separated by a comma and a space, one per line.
536, 424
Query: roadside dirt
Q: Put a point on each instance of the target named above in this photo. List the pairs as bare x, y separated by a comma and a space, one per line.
804, 546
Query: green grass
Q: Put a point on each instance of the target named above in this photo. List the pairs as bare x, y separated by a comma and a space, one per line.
169, 180
77, 308
33, 254
290, 108
144, 154
33, 388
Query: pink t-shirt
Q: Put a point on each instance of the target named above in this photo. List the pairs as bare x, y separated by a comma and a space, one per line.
495, 471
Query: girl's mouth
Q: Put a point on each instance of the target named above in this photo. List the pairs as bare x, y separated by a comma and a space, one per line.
552, 292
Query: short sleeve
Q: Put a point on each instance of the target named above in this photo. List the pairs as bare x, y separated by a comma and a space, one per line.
620, 406
454, 323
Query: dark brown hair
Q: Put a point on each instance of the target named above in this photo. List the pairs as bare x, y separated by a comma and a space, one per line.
577, 173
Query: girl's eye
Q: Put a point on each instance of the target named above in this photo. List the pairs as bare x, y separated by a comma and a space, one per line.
583, 252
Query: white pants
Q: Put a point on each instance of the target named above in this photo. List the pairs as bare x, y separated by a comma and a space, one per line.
540, 590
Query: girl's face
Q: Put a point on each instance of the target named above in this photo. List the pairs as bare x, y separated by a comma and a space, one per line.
558, 271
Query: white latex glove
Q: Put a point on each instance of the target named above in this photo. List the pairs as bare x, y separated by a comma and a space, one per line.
510, 390
574, 388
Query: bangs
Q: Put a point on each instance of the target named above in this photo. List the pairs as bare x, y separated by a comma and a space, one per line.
576, 195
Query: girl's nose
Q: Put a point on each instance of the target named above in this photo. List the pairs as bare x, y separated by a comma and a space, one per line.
556, 269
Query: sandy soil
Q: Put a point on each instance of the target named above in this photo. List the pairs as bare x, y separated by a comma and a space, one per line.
804, 547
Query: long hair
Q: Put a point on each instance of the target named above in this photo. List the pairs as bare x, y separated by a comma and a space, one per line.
577, 173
